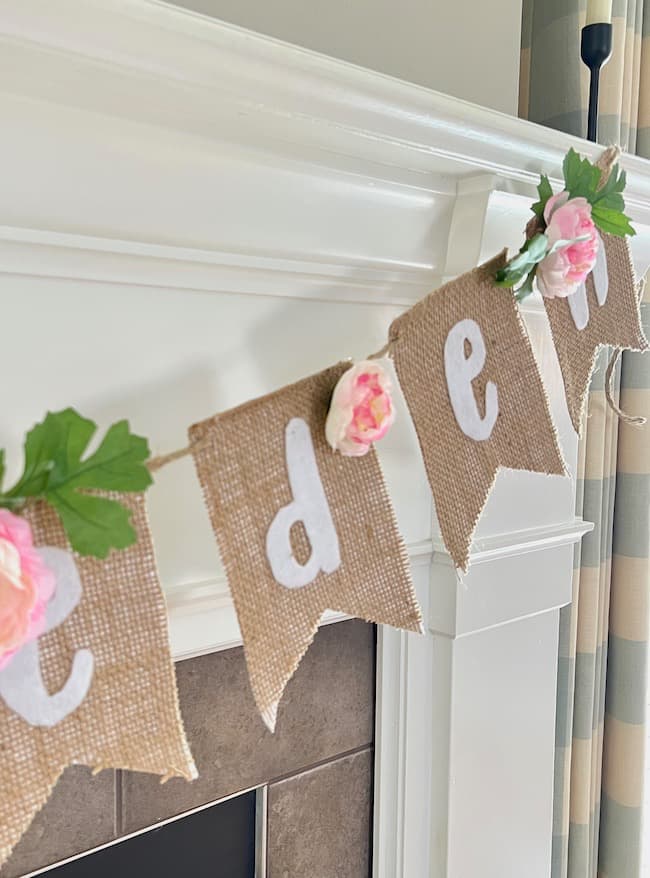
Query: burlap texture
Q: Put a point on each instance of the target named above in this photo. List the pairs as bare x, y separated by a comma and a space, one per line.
241, 464
461, 470
130, 718
617, 322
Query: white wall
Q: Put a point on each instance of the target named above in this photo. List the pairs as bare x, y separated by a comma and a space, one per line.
465, 48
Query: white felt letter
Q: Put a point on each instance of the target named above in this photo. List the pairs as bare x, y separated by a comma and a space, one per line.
578, 304
310, 506
460, 371
579, 307
21, 682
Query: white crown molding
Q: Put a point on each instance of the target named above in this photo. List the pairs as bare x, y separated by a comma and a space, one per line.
48, 254
160, 65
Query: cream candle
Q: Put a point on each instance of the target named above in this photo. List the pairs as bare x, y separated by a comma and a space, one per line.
599, 11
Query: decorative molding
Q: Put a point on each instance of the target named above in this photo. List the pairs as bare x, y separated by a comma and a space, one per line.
46, 254
161, 65
202, 616
498, 546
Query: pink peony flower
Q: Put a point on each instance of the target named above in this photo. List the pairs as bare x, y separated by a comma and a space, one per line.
361, 410
560, 273
26, 585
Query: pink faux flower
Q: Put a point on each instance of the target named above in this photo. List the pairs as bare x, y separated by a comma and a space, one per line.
561, 273
361, 410
26, 585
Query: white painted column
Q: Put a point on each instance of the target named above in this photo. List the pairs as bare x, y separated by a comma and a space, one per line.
466, 715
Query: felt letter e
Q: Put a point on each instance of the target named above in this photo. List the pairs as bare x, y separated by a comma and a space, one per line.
460, 370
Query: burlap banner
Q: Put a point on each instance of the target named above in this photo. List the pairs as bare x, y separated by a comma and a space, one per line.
603, 311
98, 688
472, 386
300, 528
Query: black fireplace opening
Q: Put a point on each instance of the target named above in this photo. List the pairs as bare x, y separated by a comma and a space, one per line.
216, 842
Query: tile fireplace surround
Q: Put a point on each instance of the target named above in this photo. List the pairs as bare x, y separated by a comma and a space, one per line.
194, 215
317, 768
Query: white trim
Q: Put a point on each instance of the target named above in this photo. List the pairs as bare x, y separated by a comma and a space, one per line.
534, 539
288, 92
202, 616
47, 254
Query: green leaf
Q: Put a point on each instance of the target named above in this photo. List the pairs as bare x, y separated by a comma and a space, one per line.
581, 178
118, 463
57, 471
545, 191
571, 167
516, 270
612, 222
526, 288
40, 448
566, 242
609, 196
2, 467
94, 525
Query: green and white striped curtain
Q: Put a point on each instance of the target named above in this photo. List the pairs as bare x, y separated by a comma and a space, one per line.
554, 83
601, 712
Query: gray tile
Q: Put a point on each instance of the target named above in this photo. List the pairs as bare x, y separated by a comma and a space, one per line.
319, 822
80, 814
327, 709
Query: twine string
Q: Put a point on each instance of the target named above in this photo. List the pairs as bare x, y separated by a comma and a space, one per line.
156, 463
382, 352
633, 420
606, 163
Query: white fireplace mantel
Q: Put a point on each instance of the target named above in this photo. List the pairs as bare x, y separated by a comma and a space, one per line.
193, 215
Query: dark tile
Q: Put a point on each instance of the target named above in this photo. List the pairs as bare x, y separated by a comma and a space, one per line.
319, 823
80, 814
327, 709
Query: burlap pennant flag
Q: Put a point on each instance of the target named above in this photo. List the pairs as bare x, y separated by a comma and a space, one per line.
476, 397
603, 311
300, 528
98, 688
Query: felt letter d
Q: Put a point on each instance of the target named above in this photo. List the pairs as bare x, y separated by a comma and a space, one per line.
309, 505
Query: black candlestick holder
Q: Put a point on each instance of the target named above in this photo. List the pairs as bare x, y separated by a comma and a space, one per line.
595, 51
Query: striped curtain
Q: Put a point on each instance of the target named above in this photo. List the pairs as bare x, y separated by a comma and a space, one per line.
602, 669
554, 83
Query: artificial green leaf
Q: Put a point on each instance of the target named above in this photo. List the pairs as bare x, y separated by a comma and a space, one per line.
57, 471
571, 167
533, 251
566, 242
581, 178
42, 444
612, 222
94, 525
545, 191
527, 287
118, 463
610, 194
